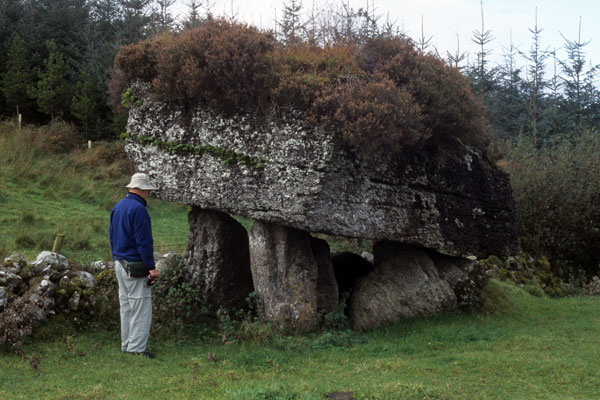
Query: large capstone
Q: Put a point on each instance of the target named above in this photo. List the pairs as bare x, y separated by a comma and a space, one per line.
448, 198
218, 259
285, 274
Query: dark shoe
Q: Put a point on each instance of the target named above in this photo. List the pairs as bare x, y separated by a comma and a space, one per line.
146, 354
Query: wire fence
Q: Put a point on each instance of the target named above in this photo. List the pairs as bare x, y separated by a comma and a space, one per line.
170, 243
74, 247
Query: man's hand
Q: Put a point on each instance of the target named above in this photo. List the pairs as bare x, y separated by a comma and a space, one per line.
153, 275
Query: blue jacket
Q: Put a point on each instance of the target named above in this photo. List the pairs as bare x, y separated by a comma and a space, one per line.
130, 231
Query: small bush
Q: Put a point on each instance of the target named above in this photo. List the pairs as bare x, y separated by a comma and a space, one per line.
337, 319
59, 138
175, 298
25, 241
375, 116
495, 298
303, 73
57, 326
219, 64
533, 274
45, 242
248, 326
106, 295
27, 218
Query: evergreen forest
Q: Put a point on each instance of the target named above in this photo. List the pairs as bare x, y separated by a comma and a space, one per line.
57, 58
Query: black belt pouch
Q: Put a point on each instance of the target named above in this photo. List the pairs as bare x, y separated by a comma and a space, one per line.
137, 269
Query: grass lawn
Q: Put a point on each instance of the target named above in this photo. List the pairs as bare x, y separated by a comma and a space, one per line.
537, 348
532, 348
44, 193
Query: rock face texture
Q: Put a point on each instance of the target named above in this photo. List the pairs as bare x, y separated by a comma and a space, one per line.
218, 259
285, 173
408, 281
405, 283
285, 275
327, 286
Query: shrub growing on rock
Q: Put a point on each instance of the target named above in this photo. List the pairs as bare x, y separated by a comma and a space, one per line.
222, 65
448, 107
375, 116
383, 93
303, 73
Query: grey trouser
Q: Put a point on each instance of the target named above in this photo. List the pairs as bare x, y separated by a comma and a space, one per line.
136, 310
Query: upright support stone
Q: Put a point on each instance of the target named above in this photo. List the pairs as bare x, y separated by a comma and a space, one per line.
219, 259
284, 271
327, 287
405, 283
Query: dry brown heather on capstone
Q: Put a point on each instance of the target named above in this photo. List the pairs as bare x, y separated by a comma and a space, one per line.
382, 95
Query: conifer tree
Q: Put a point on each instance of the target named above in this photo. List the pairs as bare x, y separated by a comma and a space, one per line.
134, 24
535, 82
193, 18
15, 81
83, 104
52, 92
479, 73
577, 81
370, 21
291, 26
454, 59
163, 19
423, 43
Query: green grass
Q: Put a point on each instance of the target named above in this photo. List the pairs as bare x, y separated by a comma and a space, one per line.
539, 349
529, 348
44, 193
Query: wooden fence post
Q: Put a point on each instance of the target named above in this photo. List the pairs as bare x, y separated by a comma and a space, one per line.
58, 242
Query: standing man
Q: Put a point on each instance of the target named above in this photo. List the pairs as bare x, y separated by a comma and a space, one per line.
132, 249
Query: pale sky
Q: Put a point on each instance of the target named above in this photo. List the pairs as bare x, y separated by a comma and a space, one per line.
443, 20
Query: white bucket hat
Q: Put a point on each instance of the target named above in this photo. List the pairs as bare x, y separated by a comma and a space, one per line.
140, 181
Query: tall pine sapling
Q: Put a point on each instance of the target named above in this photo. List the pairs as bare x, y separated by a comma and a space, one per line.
424, 42
507, 104
482, 39
194, 19
454, 59
83, 104
53, 91
535, 82
291, 27
577, 81
15, 81
163, 18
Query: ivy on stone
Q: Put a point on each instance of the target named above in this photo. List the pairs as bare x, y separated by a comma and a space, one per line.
228, 156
